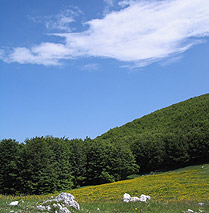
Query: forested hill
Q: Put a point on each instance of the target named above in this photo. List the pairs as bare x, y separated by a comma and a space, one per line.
187, 116
172, 137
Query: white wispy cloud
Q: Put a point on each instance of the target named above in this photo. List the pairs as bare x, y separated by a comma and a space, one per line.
141, 33
61, 24
63, 20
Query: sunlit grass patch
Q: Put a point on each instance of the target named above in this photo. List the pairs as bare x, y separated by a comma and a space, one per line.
190, 184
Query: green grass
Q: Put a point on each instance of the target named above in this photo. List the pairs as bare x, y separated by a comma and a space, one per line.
174, 191
27, 206
151, 206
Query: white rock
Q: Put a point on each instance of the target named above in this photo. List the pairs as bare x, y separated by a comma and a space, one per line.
61, 209
64, 210
48, 208
144, 198
200, 204
134, 199
189, 210
40, 207
126, 198
59, 206
13, 203
54, 205
67, 199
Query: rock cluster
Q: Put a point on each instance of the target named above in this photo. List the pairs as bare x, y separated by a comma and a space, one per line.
127, 198
60, 203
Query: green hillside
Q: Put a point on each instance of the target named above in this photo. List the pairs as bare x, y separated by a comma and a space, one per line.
177, 118
178, 134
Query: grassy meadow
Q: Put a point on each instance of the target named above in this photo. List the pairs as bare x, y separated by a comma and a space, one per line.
174, 191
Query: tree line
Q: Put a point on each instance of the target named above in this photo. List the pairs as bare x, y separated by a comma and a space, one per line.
48, 164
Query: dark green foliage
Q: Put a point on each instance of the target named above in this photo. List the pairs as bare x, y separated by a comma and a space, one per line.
149, 151
177, 150
41, 165
38, 167
44, 165
9, 155
109, 162
61, 161
78, 161
198, 143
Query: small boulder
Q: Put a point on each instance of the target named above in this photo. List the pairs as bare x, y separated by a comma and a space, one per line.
13, 203
66, 199
126, 198
144, 198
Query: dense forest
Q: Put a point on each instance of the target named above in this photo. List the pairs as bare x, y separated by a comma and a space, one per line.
169, 138
48, 164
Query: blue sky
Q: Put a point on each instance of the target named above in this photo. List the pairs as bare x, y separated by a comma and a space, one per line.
78, 68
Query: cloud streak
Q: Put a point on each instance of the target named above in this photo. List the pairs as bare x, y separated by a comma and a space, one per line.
46, 54
142, 33
63, 20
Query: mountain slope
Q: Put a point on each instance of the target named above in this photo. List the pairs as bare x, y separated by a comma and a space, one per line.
180, 117
172, 137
